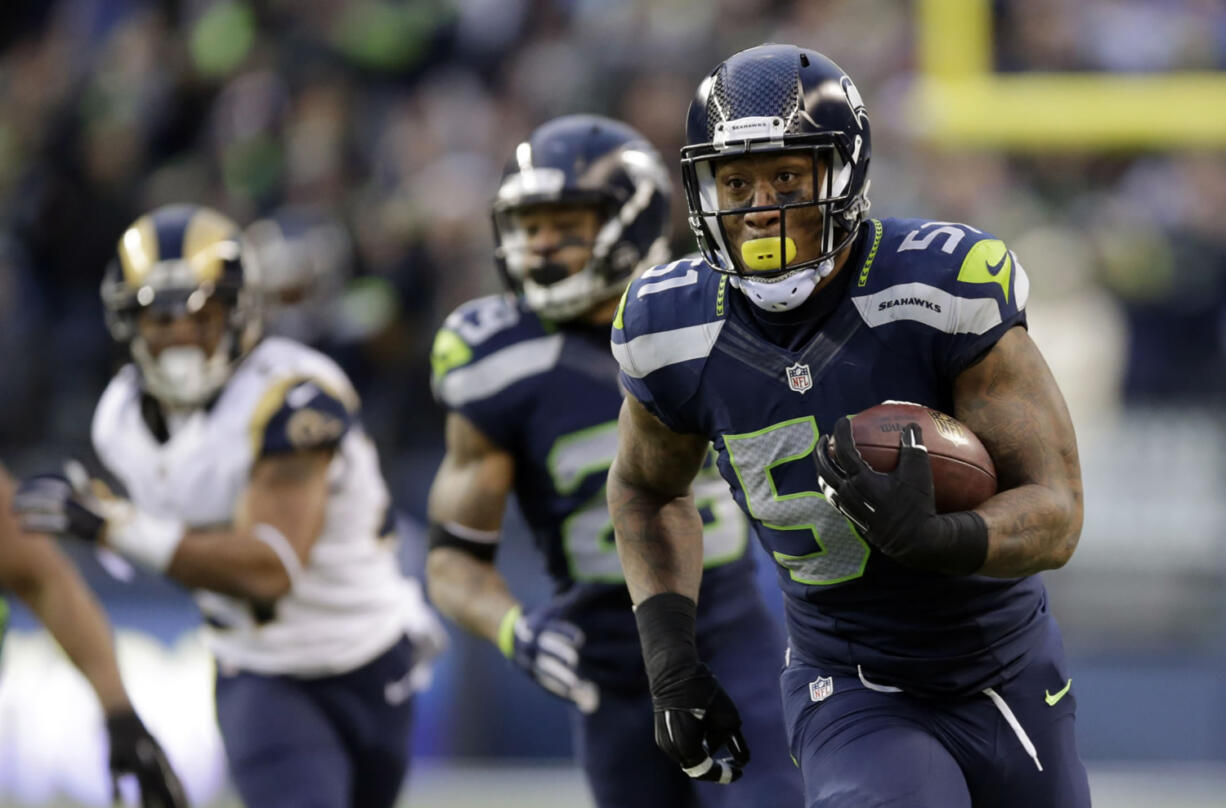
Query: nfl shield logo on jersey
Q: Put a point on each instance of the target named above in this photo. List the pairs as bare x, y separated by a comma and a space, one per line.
799, 378
821, 688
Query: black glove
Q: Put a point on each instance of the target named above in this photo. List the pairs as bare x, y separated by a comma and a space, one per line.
896, 512
50, 503
694, 717
134, 751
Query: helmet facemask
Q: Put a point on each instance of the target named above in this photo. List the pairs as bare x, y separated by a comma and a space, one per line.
839, 210
550, 287
572, 163
777, 99
181, 376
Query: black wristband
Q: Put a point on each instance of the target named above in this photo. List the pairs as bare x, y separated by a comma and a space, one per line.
440, 536
125, 722
953, 543
666, 625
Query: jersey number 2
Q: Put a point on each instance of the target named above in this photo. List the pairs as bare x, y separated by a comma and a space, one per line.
587, 534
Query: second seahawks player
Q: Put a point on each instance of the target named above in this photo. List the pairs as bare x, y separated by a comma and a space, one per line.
533, 398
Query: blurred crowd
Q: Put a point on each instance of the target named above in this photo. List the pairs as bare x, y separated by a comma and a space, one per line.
364, 140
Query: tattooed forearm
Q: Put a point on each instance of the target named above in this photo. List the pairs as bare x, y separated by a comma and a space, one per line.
1011, 401
659, 541
658, 529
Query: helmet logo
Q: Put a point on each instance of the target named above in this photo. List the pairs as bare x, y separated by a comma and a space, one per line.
751, 128
855, 101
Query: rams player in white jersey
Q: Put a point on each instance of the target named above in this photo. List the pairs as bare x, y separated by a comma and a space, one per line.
250, 481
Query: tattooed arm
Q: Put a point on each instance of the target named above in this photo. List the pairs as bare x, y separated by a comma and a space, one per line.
470, 495
658, 529
1010, 400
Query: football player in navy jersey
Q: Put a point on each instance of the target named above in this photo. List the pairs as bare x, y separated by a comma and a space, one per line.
533, 399
924, 666
34, 569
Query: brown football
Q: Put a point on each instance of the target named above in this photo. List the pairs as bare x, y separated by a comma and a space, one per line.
963, 475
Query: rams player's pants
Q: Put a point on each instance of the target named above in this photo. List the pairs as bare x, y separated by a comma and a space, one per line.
331, 742
624, 767
861, 746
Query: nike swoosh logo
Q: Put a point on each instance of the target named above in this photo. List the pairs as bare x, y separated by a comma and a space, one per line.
978, 267
994, 269
1053, 698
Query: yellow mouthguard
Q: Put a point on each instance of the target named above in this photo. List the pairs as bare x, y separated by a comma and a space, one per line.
762, 254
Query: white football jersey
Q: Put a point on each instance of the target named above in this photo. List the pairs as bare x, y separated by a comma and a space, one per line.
351, 602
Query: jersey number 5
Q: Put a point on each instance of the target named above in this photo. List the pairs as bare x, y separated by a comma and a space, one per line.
841, 554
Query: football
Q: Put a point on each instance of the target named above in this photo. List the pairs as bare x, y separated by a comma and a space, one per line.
963, 475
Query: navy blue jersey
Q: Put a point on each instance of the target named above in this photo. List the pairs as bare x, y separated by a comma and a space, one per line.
549, 396
922, 300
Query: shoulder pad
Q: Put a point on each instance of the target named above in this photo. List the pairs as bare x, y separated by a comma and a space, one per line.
278, 358
299, 414
664, 330
485, 346
952, 277
670, 314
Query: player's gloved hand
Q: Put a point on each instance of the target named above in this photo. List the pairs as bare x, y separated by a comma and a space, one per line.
73, 504
547, 648
896, 512
135, 752
51, 503
694, 717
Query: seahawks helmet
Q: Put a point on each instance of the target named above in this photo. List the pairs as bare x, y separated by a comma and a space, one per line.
770, 99
173, 260
583, 159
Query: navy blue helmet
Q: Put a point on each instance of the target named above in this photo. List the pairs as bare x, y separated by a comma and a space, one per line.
776, 98
583, 160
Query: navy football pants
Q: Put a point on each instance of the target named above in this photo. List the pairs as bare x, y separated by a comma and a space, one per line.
624, 767
862, 748
332, 742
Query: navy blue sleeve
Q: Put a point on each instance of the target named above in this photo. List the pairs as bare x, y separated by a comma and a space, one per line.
990, 292
952, 289
662, 334
300, 415
483, 362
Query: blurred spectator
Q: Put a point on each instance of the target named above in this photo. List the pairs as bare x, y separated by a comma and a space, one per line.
387, 115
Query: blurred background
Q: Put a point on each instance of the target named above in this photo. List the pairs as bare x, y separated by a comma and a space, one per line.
363, 139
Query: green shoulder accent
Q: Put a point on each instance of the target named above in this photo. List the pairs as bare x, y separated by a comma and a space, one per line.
878, 229
988, 262
618, 322
719, 295
449, 352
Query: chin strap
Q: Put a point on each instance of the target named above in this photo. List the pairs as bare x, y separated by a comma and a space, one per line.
785, 292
